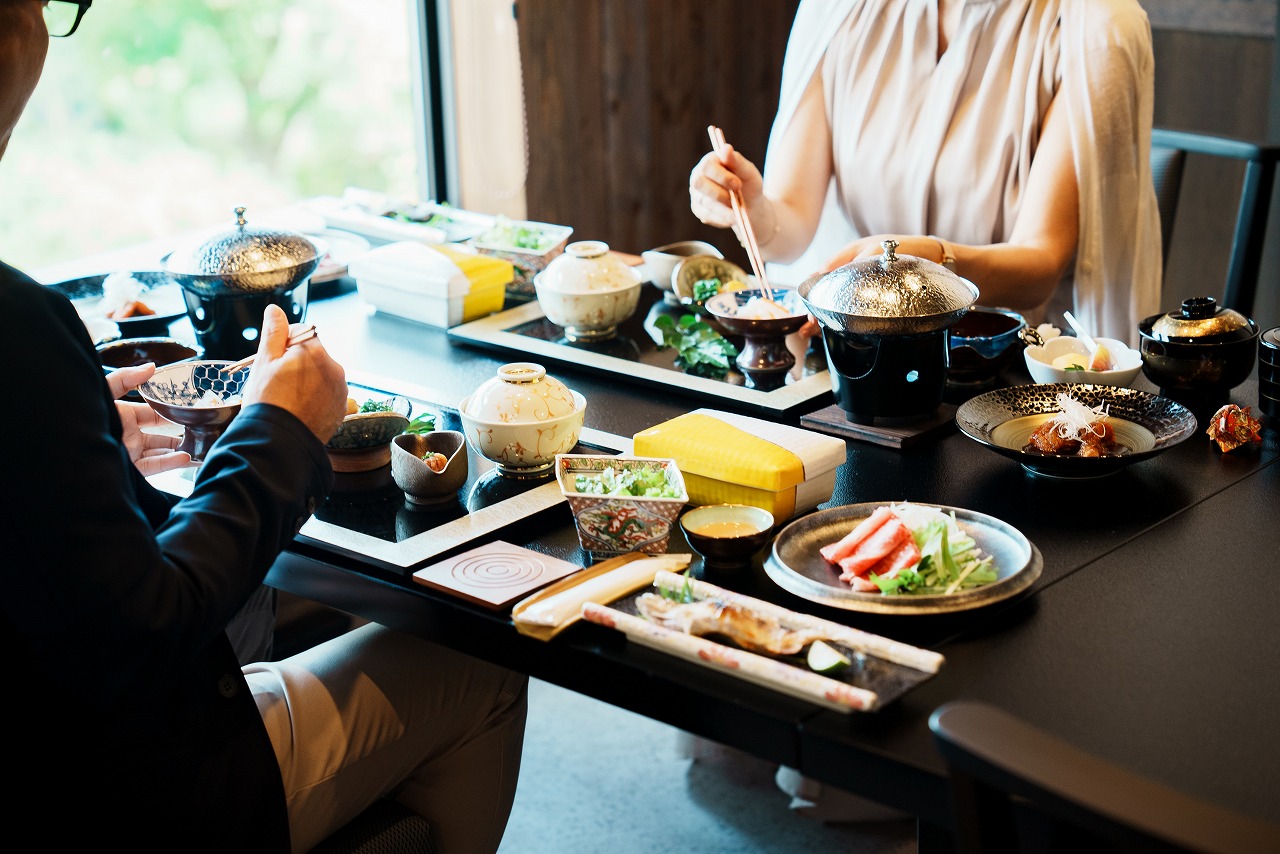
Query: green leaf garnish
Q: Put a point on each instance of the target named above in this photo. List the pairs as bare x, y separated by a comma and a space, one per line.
701, 350
424, 423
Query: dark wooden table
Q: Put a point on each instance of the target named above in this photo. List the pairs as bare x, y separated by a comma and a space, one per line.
1148, 638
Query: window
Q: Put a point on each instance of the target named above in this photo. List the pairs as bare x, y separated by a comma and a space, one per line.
158, 118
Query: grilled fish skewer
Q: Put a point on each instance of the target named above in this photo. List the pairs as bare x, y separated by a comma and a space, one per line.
712, 616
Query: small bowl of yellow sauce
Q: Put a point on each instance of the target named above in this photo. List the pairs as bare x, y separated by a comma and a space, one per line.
727, 536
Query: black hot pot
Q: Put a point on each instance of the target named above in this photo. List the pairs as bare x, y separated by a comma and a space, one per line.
884, 322
1200, 352
230, 279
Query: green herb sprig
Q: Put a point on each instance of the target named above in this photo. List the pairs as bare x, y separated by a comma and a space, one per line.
705, 289
684, 594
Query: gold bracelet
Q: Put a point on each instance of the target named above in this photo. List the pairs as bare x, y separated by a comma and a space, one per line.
777, 226
948, 255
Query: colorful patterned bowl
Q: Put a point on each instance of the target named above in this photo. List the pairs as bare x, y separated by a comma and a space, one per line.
521, 419
617, 524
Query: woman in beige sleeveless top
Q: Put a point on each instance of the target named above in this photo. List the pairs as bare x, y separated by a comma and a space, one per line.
1009, 139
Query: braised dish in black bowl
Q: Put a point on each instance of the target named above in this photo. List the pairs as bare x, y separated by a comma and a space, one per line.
1140, 426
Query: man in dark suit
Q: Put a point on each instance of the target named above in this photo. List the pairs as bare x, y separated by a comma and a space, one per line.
137, 724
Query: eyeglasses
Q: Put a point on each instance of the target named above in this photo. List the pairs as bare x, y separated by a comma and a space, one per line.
61, 17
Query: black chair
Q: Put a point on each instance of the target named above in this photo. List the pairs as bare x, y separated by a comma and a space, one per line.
386, 827
1169, 150
1016, 788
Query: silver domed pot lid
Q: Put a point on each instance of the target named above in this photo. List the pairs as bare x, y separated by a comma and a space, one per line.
888, 295
246, 259
1200, 320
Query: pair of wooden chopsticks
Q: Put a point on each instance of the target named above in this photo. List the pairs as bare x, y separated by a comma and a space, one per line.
298, 337
744, 222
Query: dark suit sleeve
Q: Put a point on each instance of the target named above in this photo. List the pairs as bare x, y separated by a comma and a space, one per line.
94, 591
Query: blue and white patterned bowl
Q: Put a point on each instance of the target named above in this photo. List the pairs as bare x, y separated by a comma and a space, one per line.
198, 396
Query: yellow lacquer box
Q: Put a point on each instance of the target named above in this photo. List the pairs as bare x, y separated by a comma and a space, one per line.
728, 458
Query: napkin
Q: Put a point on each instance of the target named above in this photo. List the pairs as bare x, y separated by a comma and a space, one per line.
553, 609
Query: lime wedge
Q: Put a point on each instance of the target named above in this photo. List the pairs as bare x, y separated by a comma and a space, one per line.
824, 658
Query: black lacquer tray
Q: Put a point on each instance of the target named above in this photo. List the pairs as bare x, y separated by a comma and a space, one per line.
635, 357
366, 516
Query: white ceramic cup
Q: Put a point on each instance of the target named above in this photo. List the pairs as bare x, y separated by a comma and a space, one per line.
660, 263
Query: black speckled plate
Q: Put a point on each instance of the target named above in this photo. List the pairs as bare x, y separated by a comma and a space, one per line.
796, 565
1003, 420
159, 291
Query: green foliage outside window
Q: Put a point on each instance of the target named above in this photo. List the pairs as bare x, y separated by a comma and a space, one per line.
159, 118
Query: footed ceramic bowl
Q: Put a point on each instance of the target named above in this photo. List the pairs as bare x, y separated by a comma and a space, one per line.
727, 536
361, 430
520, 419
198, 396
588, 291
424, 482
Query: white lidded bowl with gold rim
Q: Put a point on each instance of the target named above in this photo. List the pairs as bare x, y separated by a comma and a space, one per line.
588, 291
521, 418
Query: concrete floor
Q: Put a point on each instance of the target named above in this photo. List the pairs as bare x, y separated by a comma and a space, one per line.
595, 778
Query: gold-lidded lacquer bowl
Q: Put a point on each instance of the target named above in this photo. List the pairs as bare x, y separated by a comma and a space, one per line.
1200, 352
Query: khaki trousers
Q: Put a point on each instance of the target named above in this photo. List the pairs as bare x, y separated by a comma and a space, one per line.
377, 713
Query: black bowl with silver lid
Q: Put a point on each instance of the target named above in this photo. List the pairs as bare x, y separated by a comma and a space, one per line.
1199, 352
885, 323
230, 279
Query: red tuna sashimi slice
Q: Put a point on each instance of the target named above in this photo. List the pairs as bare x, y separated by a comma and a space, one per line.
875, 548
863, 585
835, 552
906, 554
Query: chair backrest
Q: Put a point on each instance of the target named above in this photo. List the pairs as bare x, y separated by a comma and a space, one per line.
385, 827
1016, 788
1169, 150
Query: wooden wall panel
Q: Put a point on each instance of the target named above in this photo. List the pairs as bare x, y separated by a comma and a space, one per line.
618, 97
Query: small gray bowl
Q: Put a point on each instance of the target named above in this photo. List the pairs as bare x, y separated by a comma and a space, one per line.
421, 483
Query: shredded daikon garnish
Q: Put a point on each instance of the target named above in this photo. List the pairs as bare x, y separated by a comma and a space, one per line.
1076, 419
